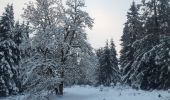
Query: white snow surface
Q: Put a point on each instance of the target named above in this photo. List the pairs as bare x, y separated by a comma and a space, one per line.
103, 93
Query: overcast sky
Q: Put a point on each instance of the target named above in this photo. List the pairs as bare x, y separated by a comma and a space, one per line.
109, 15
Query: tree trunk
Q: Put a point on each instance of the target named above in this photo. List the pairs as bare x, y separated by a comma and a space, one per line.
61, 85
61, 88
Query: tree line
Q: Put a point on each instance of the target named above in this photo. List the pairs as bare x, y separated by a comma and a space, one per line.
50, 48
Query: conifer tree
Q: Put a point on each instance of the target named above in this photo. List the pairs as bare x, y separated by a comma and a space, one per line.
108, 71
114, 62
17, 33
148, 73
149, 69
9, 55
133, 31
99, 72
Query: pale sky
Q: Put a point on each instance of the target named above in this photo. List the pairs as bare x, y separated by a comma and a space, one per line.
109, 15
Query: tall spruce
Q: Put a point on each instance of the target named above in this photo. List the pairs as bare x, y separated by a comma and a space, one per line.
9, 55
114, 63
100, 77
133, 31
108, 71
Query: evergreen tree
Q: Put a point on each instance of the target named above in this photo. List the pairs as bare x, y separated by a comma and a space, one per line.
108, 71
133, 31
156, 15
148, 73
9, 55
114, 63
164, 16
150, 70
17, 33
100, 77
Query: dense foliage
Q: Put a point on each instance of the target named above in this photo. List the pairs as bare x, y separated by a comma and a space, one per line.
145, 61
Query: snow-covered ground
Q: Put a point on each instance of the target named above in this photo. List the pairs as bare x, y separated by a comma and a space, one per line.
89, 93
104, 93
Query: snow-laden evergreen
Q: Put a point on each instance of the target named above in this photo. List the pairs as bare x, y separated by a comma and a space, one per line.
9, 55
149, 69
133, 31
107, 71
153, 67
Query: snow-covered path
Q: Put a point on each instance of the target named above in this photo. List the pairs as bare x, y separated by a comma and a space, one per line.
89, 93
92, 93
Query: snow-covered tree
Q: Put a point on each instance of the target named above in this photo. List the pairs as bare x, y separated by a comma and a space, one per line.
42, 63
156, 26
150, 68
25, 50
17, 33
133, 31
156, 14
74, 36
59, 37
25, 46
81, 69
108, 71
9, 55
114, 62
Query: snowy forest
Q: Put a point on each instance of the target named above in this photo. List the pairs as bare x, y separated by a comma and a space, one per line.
47, 54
